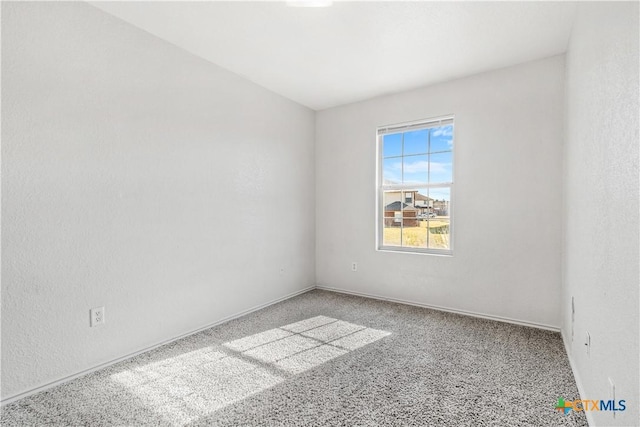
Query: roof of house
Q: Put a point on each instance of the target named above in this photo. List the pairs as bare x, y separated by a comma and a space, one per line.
418, 196
422, 197
395, 206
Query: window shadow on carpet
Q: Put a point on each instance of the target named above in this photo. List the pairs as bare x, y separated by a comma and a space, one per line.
197, 383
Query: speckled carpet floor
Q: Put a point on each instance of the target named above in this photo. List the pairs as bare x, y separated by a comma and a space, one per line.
326, 359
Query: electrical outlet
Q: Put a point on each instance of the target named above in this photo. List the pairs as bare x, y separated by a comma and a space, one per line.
587, 343
354, 266
97, 316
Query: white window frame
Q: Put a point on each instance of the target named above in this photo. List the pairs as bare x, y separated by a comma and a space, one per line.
381, 187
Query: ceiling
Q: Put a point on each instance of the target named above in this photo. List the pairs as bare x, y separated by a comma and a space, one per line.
351, 51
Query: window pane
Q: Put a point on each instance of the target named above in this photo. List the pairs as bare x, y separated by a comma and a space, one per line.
423, 204
408, 210
440, 167
416, 142
441, 197
414, 233
392, 145
439, 233
392, 171
415, 169
392, 211
391, 234
393, 205
441, 138
439, 225
408, 197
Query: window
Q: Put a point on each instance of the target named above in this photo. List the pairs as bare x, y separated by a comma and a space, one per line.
408, 197
415, 183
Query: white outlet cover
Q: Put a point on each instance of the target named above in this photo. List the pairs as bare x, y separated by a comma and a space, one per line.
612, 393
587, 343
573, 317
97, 316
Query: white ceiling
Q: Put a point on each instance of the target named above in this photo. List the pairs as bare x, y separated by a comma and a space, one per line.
323, 57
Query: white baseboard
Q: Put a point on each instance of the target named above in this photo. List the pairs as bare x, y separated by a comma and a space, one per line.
447, 309
68, 378
576, 375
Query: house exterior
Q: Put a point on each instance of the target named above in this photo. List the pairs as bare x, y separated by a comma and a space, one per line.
397, 213
407, 209
441, 207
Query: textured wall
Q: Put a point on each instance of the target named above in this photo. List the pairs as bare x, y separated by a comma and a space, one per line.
507, 212
601, 258
138, 177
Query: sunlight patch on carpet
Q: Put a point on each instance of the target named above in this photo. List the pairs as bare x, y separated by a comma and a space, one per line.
196, 383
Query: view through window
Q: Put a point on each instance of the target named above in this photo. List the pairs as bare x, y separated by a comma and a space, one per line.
415, 185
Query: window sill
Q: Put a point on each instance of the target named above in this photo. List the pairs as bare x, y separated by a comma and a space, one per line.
416, 251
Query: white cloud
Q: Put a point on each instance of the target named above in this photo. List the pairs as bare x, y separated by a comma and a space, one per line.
423, 167
440, 167
443, 131
416, 167
393, 171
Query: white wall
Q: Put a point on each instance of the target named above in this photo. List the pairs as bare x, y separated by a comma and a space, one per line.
507, 212
601, 246
142, 178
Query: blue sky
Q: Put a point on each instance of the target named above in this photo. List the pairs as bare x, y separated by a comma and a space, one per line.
417, 155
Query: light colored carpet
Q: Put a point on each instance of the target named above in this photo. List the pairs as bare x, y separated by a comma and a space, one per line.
326, 359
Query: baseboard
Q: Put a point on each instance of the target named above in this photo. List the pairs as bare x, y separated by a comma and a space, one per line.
576, 375
447, 309
267, 304
130, 355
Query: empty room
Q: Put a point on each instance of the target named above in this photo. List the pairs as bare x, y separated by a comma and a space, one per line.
320, 213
